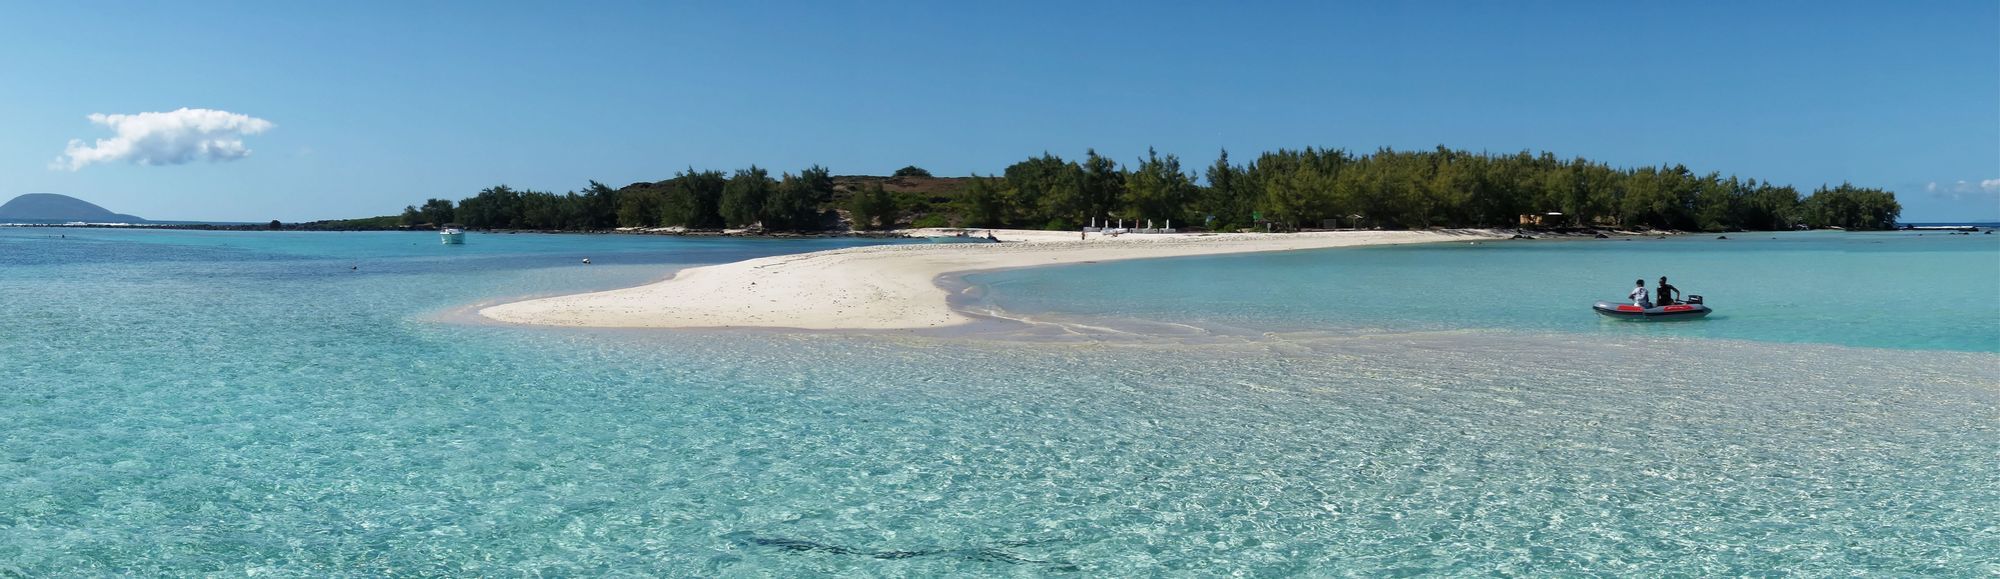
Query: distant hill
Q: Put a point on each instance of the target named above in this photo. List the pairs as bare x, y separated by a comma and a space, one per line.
938, 188
53, 207
933, 186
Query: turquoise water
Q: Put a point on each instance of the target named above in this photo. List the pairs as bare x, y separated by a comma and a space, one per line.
1886, 290
186, 403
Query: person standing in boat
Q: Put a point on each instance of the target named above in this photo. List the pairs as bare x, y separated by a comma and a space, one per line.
1639, 294
1669, 295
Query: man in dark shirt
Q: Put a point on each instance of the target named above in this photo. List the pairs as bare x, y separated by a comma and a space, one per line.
1668, 294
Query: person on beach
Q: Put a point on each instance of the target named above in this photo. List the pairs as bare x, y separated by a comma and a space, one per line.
1638, 295
1669, 295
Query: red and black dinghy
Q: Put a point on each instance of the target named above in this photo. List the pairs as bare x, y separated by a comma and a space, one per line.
1624, 311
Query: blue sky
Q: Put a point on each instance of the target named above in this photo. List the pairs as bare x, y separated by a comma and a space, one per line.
374, 106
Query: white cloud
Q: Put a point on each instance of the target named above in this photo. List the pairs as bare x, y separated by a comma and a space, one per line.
169, 138
1962, 188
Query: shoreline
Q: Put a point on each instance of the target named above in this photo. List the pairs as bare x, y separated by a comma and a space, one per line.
891, 287
334, 227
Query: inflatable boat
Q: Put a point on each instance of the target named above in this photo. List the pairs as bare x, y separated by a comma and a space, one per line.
1624, 311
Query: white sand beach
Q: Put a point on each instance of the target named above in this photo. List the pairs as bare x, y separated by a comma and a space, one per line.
892, 287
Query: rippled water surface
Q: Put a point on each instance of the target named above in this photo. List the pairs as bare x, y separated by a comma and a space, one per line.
177, 403
1912, 290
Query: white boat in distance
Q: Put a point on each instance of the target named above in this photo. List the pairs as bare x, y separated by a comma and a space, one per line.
452, 236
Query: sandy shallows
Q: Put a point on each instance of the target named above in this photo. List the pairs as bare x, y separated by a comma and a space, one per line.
886, 287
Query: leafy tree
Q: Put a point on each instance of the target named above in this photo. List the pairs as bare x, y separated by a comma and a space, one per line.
598, 208
1303, 188
743, 196
873, 208
1227, 201
912, 171
1850, 207
497, 207
1767, 207
639, 207
1715, 202
434, 212
1602, 186
438, 211
540, 211
794, 205
695, 200
790, 206
1157, 189
1043, 189
818, 183
1103, 185
981, 204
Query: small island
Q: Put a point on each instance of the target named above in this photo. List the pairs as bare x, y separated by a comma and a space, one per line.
1284, 190
39, 208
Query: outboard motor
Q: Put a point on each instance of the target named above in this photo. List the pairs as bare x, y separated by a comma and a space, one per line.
1694, 299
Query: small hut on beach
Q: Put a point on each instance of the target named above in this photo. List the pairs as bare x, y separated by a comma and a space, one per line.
1550, 219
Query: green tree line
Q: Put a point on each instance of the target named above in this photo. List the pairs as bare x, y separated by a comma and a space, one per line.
692, 199
1405, 189
1284, 189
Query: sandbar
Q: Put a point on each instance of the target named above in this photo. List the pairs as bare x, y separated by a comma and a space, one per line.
890, 287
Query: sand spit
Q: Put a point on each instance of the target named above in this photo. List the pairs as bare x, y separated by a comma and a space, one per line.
890, 287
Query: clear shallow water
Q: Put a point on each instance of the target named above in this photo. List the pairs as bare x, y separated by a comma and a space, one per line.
1885, 290
231, 403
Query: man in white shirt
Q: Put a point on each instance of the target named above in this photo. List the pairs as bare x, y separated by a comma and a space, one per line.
1639, 296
